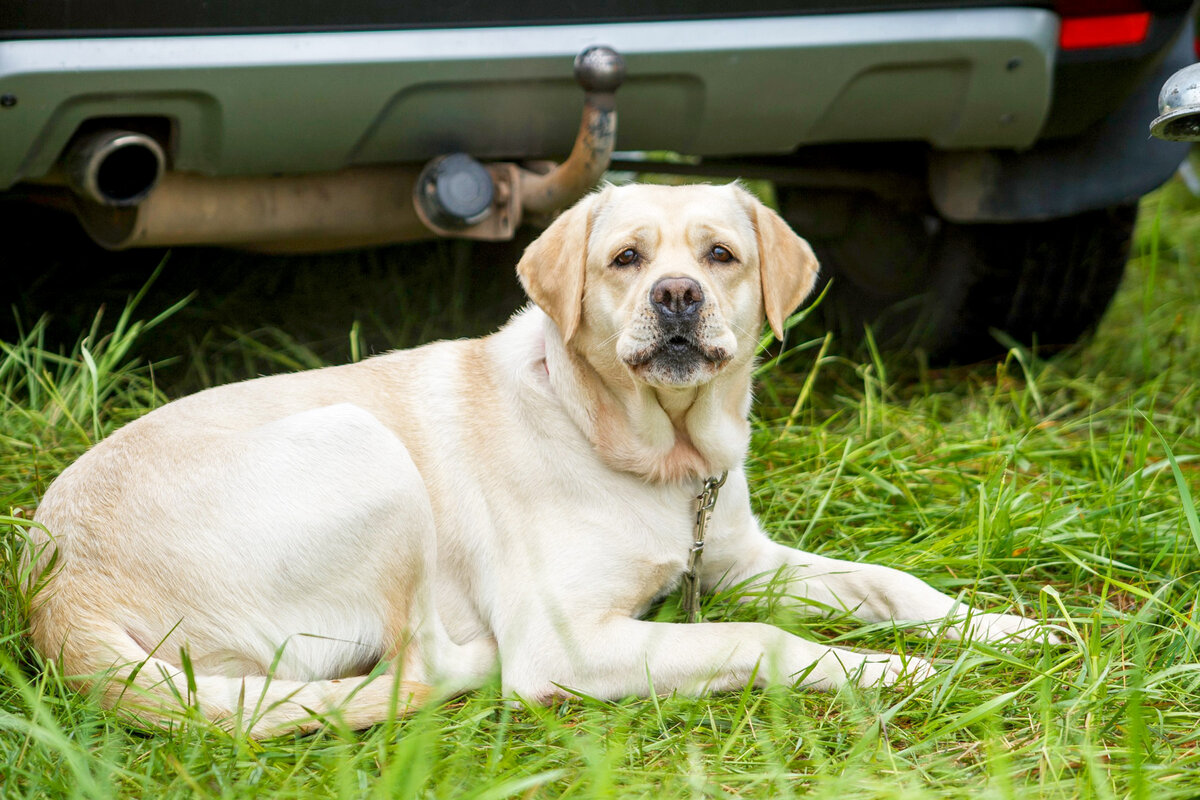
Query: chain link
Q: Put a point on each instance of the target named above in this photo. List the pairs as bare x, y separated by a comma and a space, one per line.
691, 578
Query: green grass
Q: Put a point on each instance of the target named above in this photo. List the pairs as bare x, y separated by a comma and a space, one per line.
1067, 487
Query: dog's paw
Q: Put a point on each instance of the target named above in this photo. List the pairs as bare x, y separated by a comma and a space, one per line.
839, 667
888, 670
997, 629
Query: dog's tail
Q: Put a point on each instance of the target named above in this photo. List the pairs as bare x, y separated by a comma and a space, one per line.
149, 690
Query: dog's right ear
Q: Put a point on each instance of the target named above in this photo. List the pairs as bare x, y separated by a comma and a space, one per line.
553, 266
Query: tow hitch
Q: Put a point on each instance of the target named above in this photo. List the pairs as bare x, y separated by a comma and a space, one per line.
455, 195
452, 196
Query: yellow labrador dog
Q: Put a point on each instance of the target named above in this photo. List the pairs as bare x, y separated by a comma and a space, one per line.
353, 540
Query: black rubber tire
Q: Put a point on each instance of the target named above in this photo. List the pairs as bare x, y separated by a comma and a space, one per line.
924, 283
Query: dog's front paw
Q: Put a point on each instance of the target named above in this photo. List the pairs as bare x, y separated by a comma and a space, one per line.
888, 670
839, 667
998, 629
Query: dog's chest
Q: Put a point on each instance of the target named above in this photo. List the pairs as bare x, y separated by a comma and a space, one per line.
660, 579
653, 555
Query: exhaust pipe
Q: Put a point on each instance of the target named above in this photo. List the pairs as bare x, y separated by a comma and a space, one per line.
115, 168
355, 207
1179, 107
115, 174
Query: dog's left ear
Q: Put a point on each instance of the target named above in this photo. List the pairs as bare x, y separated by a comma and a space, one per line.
787, 266
552, 268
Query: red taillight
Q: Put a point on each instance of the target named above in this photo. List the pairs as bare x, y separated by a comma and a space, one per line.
1110, 30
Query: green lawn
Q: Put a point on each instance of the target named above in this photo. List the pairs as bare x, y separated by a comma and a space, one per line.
1066, 488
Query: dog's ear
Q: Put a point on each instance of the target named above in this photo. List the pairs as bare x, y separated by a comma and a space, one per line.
552, 268
787, 266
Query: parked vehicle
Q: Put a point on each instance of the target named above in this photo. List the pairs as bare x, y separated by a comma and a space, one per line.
960, 168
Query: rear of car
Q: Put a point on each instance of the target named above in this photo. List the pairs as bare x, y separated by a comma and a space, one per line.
959, 167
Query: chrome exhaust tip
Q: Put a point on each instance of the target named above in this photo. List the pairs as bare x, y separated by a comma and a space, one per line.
1179, 107
115, 168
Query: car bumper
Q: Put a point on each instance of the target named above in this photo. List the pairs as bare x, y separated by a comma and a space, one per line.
285, 103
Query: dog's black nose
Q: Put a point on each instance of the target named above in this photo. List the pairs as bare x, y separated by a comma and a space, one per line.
677, 297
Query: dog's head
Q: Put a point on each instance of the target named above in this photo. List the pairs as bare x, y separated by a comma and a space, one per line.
672, 282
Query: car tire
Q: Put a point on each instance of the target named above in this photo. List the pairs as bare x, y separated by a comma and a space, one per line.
923, 283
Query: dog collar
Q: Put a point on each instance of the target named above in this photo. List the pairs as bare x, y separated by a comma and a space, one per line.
691, 578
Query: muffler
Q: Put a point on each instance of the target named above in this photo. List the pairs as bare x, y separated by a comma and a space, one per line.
356, 207
1179, 107
115, 168
451, 196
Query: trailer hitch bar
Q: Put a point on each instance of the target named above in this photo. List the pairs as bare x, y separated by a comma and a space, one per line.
457, 196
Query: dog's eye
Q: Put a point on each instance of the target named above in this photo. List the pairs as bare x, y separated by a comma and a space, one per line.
626, 257
721, 253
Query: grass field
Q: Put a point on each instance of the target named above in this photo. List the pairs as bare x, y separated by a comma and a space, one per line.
1065, 487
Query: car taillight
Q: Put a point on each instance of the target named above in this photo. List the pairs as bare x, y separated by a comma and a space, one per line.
1089, 24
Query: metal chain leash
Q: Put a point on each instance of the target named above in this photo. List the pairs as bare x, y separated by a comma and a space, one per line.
691, 578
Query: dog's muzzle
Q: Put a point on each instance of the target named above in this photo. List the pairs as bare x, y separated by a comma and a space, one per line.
680, 348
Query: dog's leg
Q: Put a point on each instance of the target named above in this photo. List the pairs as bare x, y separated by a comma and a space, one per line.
620, 657
868, 592
424, 647
288, 561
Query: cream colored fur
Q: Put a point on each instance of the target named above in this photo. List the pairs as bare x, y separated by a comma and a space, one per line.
514, 502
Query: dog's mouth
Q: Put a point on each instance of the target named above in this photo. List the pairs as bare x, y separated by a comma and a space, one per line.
678, 343
678, 352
